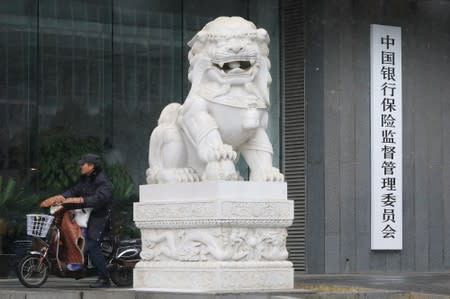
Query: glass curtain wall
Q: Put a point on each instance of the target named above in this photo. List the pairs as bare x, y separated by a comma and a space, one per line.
81, 76
18, 110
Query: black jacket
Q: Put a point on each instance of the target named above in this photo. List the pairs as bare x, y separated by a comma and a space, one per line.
96, 189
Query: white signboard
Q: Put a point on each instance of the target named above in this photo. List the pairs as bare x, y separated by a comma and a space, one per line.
386, 137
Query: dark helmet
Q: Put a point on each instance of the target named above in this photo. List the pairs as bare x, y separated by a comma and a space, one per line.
91, 159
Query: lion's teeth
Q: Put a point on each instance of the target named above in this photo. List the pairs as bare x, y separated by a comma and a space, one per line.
252, 61
221, 64
234, 64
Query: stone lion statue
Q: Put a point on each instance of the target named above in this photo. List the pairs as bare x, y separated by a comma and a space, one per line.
225, 114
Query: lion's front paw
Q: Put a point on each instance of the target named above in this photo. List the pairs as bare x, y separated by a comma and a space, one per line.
172, 175
274, 175
186, 175
271, 174
221, 170
221, 152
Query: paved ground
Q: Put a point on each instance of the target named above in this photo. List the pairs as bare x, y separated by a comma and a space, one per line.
429, 283
52, 283
57, 288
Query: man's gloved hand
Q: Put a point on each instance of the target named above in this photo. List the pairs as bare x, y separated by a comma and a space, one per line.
51, 201
73, 200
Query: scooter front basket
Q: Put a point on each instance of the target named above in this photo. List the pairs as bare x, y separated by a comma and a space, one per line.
38, 224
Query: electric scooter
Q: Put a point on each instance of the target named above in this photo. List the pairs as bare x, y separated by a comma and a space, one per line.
33, 270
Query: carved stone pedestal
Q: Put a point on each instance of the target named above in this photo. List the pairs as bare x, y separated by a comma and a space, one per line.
214, 236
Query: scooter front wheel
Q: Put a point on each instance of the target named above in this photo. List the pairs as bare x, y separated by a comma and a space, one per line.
32, 271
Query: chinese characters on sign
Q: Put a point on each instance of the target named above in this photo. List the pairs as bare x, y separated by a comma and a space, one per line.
386, 137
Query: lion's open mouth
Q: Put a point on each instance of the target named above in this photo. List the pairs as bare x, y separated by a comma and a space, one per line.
235, 67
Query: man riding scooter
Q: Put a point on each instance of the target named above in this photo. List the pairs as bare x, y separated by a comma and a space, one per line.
93, 190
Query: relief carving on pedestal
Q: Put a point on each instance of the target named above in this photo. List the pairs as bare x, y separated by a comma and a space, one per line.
222, 244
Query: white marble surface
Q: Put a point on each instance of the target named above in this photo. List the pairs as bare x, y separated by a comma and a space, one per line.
214, 236
225, 115
215, 277
214, 203
202, 226
249, 191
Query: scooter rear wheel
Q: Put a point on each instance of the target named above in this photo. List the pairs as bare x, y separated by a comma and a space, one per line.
122, 277
32, 272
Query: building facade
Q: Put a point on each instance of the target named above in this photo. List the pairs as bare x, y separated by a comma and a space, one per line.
93, 75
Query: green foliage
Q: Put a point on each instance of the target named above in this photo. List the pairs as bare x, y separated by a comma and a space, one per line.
123, 186
58, 170
28, 204
125, 193
14, 205
58, 157
10, 197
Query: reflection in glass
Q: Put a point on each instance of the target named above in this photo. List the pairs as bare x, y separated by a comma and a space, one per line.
147, 74
81, 76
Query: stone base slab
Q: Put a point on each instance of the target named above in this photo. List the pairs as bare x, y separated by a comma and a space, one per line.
209, 204
215, 276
